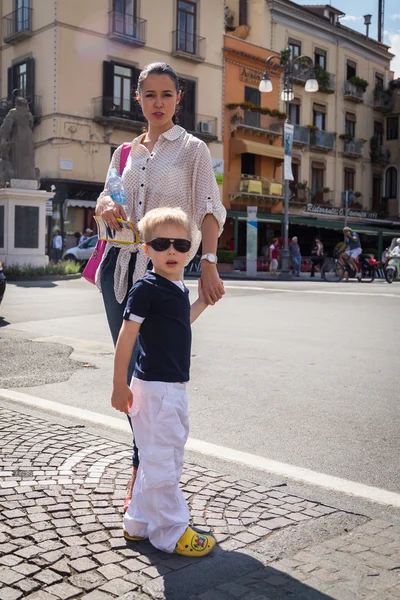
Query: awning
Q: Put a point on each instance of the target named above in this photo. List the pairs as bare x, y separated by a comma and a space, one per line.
239, 146
81, 203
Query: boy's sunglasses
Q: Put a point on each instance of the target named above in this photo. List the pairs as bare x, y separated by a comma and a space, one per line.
161, 244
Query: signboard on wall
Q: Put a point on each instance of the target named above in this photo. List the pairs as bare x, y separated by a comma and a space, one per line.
340, 212
249, 75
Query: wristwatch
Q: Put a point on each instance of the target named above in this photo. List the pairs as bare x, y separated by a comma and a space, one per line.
211, 258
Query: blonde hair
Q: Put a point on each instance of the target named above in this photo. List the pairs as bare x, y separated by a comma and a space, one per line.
162, 216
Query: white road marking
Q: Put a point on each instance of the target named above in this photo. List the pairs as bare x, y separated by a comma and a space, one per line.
287, 291
229, 454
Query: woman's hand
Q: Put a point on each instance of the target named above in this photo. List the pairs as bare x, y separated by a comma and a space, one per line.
110, 211
212, 286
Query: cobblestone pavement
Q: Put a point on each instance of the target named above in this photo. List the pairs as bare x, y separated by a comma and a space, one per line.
61, 492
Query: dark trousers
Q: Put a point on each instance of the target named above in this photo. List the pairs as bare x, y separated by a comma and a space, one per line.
316, 260
115, 312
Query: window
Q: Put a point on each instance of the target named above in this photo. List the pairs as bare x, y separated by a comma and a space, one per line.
350, 125
391, 183
186, 116
351, 69
294, 47
294, 111
379, 81
248, 164
319, 116
252, 95
112, 150
349, 179
22, 15
320, 58
392, 128
125, 17
376, 192
317, 181
119, 83
296, 175
378, 132
21, 81
186, 26
332, 18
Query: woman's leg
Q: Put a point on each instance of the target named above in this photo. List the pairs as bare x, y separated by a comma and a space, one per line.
115, 312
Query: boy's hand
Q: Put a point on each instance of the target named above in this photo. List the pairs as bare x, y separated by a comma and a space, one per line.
202, 297
122, 398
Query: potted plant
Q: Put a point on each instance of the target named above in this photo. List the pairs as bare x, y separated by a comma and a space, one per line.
345, 136
301, 190
357, 194
323, 77
313, 127
236, 118
359, 82
225, 260
325, 191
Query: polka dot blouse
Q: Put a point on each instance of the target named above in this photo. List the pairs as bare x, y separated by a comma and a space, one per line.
177, 173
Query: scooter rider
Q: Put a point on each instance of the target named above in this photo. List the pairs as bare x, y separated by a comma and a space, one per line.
395, 253
353, 250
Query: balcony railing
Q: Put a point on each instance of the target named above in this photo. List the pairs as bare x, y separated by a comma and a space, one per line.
256, 122
383, 100
352, 92
326, 81
322, 140
252, 185
122, 114
17, 26
202, 126
318, 196
353, 148
187, 45
301, 136
34, 104
380, 155
127, 28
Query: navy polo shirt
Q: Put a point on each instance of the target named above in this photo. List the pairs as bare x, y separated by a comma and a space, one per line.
165, 335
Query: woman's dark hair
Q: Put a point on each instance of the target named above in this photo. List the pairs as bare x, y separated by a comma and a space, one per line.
158, 68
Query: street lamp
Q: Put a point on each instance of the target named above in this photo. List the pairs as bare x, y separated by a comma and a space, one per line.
301, 67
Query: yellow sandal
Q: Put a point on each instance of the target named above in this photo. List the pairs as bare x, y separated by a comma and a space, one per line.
133, 538
194, 544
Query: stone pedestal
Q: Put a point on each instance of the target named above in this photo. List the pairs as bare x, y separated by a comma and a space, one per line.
23, 226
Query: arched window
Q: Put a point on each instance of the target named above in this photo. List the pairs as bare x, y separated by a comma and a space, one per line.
391, 183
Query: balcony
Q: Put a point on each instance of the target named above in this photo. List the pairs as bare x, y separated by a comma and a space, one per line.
353, 148
324, 141
379, 155
301, 136
202, 126
120, 115
326, 80
257, 191
189, 46
126, 28
35, 107
17, 26
353, 93
383, 100
256, 123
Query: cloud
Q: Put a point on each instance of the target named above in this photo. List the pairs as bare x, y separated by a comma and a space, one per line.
395, 17
394, 42
350, 18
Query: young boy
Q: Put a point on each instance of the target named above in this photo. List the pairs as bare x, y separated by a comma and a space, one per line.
159, 313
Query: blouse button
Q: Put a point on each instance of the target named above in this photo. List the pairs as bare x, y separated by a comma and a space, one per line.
142, 185
143, 168
140, 202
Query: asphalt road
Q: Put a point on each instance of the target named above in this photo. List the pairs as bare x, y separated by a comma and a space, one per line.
303, 373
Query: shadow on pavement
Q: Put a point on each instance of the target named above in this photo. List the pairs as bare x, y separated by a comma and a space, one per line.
34, 283
227, 574
3, 322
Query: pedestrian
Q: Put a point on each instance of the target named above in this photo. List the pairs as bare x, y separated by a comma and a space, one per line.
167, 166
317, 255
86, 235
273, 257
158, 312
295, 255
57, 246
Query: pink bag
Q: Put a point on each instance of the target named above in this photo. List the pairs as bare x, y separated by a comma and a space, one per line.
89, 272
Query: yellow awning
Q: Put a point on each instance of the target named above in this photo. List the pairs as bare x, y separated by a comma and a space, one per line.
240, 146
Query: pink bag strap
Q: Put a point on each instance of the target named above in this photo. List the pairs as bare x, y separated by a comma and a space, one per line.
126, 148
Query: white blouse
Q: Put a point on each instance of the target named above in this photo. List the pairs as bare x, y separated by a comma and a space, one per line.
177, 173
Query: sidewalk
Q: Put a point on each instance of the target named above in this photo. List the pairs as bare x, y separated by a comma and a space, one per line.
61, 493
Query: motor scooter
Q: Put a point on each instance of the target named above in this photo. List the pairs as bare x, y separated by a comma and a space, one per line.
392, 271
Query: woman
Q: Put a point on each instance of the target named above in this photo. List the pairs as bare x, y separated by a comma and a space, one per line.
317, 255
167, 166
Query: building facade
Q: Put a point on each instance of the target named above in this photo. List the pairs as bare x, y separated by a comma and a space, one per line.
340, 139
78, 64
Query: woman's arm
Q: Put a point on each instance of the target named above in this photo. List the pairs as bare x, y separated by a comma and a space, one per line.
213, 288
121, 398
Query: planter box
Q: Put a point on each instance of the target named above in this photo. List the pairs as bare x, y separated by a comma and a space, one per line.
223, 268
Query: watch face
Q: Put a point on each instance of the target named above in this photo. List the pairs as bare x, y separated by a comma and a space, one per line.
212, 258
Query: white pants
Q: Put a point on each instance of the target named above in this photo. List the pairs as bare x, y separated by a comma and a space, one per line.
160, 420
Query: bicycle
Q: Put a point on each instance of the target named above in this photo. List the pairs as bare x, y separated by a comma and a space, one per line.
333, 270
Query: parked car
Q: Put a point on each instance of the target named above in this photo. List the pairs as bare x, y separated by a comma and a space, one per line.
82, 252
3, 283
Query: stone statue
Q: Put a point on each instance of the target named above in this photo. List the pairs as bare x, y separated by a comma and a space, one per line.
16, 133
6, 170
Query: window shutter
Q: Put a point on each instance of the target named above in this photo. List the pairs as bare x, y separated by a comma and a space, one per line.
296, 101
135, 107
352, 64
30, 84
10, 82
321, 108
108, 86
318, 165
351, 117
186, 114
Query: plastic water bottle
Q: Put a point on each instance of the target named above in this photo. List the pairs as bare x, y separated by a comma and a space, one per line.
115, 187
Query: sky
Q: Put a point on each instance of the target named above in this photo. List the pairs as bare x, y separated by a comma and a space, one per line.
355, 9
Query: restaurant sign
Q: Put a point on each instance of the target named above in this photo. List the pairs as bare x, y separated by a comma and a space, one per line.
249, 75
338, 211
